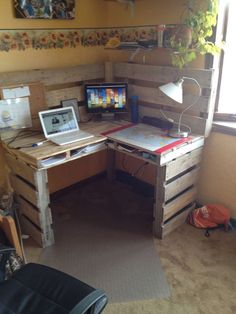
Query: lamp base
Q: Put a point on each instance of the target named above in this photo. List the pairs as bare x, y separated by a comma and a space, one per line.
177, 133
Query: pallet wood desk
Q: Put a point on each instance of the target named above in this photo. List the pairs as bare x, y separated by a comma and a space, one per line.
177, 164
175, 189
29, 178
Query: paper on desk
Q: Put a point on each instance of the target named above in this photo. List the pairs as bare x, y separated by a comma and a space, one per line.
15, 113
17, 92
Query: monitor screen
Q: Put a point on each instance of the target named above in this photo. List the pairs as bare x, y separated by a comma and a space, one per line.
106, 97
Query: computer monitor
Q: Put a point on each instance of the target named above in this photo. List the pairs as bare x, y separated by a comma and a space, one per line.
106, 98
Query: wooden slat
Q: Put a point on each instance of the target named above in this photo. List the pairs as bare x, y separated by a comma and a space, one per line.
162, 74
29, 229
180, 184
155, 96
180, 202
109, 71
197, 124
29, 211
24, 189
176, 222
43, 239
55, 76
176, 153
54, 97
183, 163
20, 168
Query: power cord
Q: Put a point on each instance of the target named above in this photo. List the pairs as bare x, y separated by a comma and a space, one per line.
165, 116
21, 133
173, 121
140, 168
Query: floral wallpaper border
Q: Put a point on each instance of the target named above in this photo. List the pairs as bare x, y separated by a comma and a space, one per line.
63, 38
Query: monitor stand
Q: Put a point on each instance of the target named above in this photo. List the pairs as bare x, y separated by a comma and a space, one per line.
108, 116
111, 116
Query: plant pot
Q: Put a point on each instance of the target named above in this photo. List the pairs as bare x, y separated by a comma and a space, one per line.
182, 36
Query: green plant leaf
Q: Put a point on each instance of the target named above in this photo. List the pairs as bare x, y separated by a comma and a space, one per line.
201, 17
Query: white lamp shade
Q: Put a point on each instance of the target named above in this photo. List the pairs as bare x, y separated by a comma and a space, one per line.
173, 90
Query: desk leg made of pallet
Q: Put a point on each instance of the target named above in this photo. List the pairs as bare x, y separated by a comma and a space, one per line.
175, 189
175, 192
31, 188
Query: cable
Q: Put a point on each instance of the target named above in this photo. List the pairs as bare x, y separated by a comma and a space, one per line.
165, 116
139, 168
123, 162
176, 123
19, 134
187, 126
196, 100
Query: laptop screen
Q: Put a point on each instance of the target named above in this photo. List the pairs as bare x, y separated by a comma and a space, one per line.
58, 121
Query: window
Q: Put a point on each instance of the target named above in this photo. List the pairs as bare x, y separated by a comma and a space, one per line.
226, 100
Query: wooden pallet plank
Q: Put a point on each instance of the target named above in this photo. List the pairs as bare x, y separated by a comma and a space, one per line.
177, 221
54, 97
155, 96
30, 229
182, 183
20, 168
180, 202
55, 76
44, 239
183, 163
21, 187
162, 74
29, 211
196, 124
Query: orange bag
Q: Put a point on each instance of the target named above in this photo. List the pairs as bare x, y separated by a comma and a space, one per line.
210, 216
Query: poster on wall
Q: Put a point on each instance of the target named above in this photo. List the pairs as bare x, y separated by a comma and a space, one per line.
45, 9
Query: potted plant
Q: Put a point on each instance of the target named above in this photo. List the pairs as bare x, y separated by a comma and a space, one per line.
193, 36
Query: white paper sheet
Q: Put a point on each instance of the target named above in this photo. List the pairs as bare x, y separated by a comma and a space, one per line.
17, 92
15, 113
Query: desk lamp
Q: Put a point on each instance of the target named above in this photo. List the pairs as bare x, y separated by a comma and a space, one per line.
174, 90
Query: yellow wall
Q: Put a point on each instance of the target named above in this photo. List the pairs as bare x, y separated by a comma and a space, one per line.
218, 172
90, 13
146, 12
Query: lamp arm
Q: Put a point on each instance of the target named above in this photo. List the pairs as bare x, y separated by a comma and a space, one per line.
196, 100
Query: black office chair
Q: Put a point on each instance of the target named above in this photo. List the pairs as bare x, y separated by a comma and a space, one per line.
38, 289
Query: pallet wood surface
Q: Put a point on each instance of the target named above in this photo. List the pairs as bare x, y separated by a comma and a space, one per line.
33, 155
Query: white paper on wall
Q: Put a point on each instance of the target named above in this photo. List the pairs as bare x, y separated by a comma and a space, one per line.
15, 113
16, 92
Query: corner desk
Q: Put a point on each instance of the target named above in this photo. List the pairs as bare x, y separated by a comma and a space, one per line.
177, 166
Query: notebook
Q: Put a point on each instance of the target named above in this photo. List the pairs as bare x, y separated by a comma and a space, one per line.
61, 127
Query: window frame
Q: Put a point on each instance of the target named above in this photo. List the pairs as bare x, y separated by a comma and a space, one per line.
218, 62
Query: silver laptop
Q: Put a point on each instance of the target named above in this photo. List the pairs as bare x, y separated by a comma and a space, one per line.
60, 126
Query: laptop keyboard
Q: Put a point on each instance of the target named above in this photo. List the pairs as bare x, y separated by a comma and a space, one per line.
71, 138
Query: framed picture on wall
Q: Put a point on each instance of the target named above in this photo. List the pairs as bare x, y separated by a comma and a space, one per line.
72, 103
45, 9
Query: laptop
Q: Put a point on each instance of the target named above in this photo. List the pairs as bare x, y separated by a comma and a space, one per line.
61, 127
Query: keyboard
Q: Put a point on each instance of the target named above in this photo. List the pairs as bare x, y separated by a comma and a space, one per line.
71, 137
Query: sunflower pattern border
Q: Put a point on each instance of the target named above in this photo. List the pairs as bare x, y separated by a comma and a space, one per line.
64, 38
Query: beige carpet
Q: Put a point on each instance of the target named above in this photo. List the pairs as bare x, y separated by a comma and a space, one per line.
104, 237
200, 271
